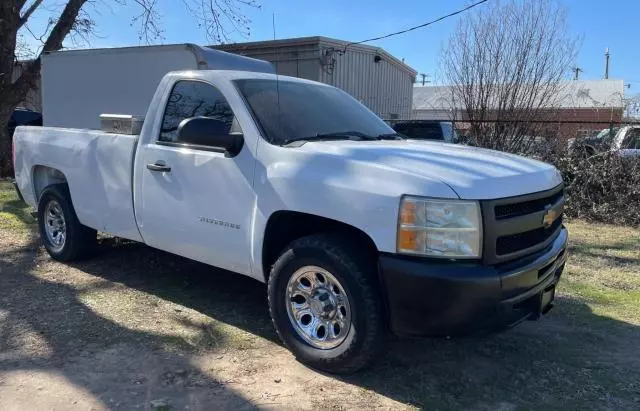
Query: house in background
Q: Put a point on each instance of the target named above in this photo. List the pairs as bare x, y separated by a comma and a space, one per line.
586, 106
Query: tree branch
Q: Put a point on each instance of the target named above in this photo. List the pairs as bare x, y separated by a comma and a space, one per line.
506, 67
29, 12
61, 29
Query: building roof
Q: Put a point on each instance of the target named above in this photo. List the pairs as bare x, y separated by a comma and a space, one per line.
319, 40
432, 98
594, 93
576, 94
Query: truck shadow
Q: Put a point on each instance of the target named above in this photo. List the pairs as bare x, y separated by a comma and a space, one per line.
47, 333
572, 354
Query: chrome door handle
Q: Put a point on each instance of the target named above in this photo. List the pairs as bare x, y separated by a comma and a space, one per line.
157, 166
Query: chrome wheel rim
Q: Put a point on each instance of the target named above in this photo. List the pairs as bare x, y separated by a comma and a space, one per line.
55, 225
318, 307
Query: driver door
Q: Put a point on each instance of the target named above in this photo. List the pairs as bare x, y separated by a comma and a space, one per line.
195, 201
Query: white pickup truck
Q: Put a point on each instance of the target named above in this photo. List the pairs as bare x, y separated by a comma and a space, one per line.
294, 183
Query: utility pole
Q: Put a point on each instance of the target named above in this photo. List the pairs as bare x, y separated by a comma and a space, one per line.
424, 78
577, 70
606, 63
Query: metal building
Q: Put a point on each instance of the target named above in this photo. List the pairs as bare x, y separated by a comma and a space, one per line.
374, 77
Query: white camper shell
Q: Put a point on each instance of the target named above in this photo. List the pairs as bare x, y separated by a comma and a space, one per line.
80, 85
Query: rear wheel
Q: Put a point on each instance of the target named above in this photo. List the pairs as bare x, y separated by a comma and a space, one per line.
63, 236
325, 304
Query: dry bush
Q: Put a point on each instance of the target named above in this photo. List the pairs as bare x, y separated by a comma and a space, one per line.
603, 188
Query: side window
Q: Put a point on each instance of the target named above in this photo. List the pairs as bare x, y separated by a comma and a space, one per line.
632, 140
193, 99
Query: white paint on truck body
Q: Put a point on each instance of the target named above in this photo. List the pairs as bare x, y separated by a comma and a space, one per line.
359, 183
97, 167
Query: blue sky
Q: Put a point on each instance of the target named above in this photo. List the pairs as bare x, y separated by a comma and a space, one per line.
600, 24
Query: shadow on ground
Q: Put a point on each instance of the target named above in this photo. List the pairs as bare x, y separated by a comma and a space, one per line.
573, 358
46, 330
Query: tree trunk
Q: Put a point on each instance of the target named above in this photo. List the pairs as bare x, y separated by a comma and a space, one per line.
6, 167
9, 22
13, 91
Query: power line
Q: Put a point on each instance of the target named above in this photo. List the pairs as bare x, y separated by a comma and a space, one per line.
417, 27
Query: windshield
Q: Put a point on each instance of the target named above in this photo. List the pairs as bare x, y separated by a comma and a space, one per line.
606, 131
288, 111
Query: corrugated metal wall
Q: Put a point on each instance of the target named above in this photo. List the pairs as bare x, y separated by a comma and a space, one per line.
302, 60
382, 86
385, 86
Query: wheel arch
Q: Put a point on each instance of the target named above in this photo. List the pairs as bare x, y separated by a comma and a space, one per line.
43, 177
285, 226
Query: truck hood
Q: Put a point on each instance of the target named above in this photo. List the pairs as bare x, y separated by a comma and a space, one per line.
473, 173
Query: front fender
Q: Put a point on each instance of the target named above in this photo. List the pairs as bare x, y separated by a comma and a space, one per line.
363, 195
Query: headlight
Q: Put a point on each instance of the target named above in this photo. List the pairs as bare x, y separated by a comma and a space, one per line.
440, 228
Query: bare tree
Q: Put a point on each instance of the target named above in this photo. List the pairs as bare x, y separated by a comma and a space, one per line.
632, 107
72, 19
506, 65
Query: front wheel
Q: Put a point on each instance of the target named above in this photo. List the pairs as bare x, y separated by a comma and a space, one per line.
64, 238
325, 304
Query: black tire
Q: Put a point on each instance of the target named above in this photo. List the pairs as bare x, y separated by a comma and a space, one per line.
356, 272
80, 241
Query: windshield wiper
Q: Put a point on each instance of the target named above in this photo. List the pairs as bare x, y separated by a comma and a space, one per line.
391, 136
340, 135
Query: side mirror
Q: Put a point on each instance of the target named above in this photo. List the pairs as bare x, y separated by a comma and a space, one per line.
210, 132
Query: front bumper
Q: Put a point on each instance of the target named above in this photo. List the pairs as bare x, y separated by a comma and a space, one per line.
437, 297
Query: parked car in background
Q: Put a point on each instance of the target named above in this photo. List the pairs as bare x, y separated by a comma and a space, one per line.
427, 130
627, 141
24, 117
624, 140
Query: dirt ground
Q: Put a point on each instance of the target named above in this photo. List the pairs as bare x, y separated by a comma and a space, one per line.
136, 328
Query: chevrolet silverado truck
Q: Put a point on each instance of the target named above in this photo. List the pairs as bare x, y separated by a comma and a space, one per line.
294, 183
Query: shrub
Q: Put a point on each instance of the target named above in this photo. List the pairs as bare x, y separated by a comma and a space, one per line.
602, 188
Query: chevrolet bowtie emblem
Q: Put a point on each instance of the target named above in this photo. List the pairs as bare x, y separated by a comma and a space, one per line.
549, 217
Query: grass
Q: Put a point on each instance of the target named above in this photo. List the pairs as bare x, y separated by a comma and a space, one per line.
584, 355
14, 214
603, 270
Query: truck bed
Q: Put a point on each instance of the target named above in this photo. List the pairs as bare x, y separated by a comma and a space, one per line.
97, 167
